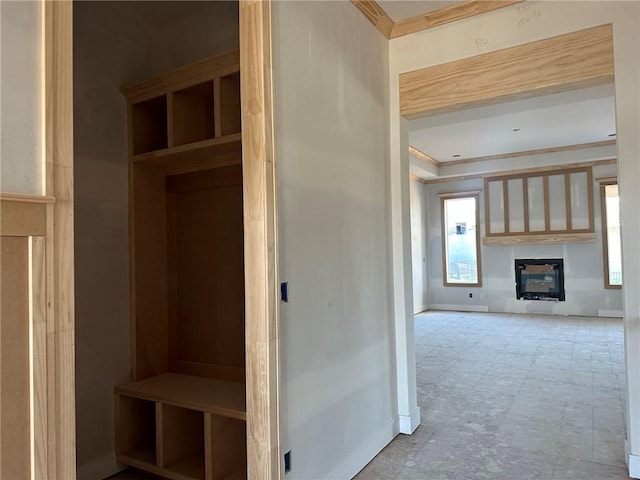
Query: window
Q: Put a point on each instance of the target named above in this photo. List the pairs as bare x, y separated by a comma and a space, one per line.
461, 239
610, 206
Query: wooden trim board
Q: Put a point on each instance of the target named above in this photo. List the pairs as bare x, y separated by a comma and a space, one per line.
260, 241
524, 71
540, 239
518, 172
390, 29
423, 156
60, 361
540, 151
376, 15
446, 15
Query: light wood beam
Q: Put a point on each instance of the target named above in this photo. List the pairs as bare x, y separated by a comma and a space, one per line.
446, 15
376, 15
529, 70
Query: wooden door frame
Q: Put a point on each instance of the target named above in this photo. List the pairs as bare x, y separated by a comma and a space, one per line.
259, 241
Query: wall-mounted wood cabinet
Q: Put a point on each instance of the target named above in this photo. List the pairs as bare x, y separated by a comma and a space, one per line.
554, 206
183, 416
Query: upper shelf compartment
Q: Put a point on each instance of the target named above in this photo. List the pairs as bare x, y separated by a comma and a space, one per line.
193, 108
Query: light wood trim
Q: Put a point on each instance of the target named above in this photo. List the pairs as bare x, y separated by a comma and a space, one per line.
528, 70
376, 15
487, 212
216, 66
525, 202
260, 237
58, 41
521, 171
605, 234
545, 190
590, 197
466, 193
567, 200
540, 239
25, 198
446, 15
38, 353
423, 156
607, 180
505, 200
525, 153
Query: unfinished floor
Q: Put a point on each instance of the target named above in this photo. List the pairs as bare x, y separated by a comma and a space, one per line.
513, 396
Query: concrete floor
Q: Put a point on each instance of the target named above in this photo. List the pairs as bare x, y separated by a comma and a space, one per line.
513, 397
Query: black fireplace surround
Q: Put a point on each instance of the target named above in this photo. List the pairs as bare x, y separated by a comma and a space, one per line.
540, 279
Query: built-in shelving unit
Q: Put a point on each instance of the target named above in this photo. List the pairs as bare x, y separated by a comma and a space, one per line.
183, 416
544, 207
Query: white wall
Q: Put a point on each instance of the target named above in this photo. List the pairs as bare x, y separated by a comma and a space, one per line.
529, 22
337, 343
583, 269
419, 253
117, 43
21, 142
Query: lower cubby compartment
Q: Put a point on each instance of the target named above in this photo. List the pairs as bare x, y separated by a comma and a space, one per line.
182, 441
227, 447
182, 427
136, 430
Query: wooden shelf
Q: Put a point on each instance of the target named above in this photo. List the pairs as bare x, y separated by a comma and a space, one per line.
215, 152
226, 399
540, 239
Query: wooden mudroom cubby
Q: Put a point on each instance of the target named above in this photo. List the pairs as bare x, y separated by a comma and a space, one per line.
183, 416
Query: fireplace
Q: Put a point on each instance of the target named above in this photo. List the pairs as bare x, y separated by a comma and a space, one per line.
540, 279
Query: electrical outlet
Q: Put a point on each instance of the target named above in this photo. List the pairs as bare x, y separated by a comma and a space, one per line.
284, 292
471, 295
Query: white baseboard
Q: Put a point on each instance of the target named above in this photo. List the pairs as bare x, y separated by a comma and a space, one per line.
420, 308
633, 462
459, 308
610, 313
359, 458
408, 423
99, 469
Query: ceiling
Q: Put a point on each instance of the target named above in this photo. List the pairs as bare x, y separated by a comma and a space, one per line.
570, 118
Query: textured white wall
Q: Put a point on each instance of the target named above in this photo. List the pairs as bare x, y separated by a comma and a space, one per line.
531, 21
21, 163
419, 254
337, 343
